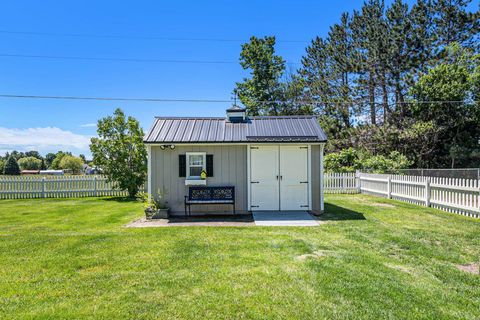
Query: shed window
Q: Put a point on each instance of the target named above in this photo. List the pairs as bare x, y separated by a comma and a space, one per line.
196, 162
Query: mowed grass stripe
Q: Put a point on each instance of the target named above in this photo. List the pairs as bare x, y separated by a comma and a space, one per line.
373, 258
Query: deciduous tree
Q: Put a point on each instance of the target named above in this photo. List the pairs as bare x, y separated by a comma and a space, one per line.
119, 150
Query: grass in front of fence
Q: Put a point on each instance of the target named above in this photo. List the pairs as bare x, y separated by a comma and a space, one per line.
372, 258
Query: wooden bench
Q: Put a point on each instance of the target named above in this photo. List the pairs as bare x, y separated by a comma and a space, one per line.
209, 195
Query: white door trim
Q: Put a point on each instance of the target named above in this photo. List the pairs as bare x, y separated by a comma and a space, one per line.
249, 180
321, 178
149, 171
309, 169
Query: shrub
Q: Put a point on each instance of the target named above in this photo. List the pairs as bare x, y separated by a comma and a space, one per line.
350, 160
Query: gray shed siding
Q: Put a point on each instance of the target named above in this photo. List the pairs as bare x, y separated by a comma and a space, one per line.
316, 180
230, 168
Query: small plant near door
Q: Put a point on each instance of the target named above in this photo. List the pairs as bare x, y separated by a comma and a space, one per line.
155, 207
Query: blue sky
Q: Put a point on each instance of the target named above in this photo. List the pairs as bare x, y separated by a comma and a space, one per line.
50, 125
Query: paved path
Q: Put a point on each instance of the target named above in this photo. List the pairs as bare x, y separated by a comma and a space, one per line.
284, 219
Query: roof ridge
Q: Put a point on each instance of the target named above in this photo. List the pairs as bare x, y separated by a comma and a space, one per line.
189, 118
250, 117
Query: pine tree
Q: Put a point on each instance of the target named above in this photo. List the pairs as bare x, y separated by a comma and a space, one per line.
11, 166
315, 78
399, 28
339, 50
453, 23
368, 29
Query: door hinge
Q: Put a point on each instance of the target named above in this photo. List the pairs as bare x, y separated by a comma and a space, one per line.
303, 181
255, 206
254, 181
305, 206
253, 147
303, 147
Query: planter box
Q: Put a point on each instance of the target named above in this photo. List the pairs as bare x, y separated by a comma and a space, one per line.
196, 182
158, 214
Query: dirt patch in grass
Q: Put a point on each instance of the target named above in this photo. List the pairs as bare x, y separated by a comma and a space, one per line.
384, 205
470, 268
313, 255
399, 268
375, 203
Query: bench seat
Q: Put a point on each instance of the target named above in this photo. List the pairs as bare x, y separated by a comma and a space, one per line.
209, 195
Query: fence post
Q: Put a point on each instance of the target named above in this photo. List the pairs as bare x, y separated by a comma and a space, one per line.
427, 192
358, 182
389, 187
95, 186
43, 187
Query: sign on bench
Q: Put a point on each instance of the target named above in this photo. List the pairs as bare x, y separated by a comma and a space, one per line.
209, 195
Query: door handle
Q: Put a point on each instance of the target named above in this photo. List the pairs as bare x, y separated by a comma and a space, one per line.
254, 182
281, 177
303, 181
277, 176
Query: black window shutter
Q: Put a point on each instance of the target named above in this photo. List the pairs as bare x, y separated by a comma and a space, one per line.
209, 165
182, 165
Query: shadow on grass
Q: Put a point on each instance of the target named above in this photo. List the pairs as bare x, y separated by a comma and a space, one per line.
336, 213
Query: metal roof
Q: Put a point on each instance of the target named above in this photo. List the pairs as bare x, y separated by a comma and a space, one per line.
219, 130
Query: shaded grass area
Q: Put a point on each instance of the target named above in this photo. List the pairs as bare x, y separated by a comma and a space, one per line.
373, 258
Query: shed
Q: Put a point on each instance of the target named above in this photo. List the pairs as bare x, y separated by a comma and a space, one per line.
275, 163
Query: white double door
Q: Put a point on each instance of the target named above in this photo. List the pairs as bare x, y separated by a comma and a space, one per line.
279, 177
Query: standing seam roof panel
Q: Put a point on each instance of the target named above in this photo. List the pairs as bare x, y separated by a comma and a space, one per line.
181, 130
269, 129
159, 128
188, 131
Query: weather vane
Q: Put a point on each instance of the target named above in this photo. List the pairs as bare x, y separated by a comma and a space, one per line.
235, 94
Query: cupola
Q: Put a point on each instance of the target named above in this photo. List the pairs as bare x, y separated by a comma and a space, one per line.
236, 114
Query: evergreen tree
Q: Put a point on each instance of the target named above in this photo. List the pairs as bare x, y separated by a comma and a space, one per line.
340, 50
11, 166
454, 24
368, 29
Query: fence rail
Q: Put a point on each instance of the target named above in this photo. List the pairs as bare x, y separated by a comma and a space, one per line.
25, 187
461, 196
340, 183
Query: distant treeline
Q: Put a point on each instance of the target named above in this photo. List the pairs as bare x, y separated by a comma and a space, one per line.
13, 163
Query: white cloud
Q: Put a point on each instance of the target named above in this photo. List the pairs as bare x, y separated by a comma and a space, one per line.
88, 125
48, 139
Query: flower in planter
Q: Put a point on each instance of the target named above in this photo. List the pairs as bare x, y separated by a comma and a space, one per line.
155, 207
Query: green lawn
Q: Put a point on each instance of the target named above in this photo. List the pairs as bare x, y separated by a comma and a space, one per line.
73, 258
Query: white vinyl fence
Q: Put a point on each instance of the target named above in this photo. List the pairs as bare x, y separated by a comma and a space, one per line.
22, 187
340, 183
461, 196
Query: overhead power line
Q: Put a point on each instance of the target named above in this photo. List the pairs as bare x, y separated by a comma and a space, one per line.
115, 59
8, 55
313, 101
80, 35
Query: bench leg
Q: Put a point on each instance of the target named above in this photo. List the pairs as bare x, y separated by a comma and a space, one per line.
234, 209
185, 209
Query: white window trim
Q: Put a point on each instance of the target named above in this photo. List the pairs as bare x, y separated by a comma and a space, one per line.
187, 160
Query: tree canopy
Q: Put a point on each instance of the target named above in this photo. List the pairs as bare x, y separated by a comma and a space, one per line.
120, 152
30, 163
399, 78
